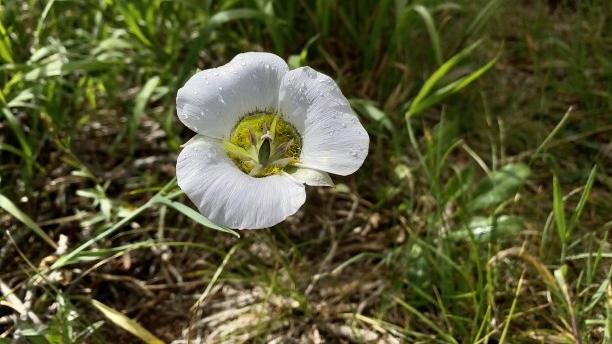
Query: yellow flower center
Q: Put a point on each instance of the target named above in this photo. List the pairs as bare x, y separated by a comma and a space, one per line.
263, 144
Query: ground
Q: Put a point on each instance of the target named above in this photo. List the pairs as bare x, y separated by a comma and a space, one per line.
481, 214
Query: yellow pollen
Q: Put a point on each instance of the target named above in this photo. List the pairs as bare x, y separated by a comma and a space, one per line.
263, 143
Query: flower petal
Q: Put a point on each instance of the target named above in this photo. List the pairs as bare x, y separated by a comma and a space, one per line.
310, 176
334, 139
211, 102
228, 196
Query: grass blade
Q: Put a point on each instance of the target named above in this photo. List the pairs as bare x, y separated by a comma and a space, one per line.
454, 87
141, 102
599, 293
6, 51
132, 17
552, 134
41, 22
437, 76
583, 199
215, 277
192, 214
558, 210
18, 131
482, 17
564, 289
12, 209
59, 68
66, 259
218, 19
512, 308
425, 320
608, 329
126, 323
431, 30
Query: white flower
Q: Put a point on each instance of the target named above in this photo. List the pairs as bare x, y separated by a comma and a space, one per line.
263, 131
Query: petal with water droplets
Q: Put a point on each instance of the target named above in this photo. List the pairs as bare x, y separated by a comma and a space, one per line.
333, 138
213, 100
228, 196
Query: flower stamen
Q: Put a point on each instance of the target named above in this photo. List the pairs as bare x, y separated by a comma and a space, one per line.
263, 143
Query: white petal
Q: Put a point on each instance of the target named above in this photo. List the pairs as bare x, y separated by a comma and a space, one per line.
334, 139
228, 196
213, 100
310, 176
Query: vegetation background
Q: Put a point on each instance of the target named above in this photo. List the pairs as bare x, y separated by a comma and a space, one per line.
481, 215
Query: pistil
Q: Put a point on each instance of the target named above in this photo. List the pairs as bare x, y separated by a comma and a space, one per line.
264, 150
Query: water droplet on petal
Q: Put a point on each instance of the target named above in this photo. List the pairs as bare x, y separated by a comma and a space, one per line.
311, 73
220, 88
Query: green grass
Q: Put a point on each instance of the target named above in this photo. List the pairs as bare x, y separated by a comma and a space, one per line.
481, 215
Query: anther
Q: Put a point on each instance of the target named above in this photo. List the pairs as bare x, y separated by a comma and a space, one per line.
252, 137
283, 148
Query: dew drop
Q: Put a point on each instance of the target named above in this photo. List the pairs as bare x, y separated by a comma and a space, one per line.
311, 73
220, 88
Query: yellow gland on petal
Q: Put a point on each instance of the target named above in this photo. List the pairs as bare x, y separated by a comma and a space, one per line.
263, 143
